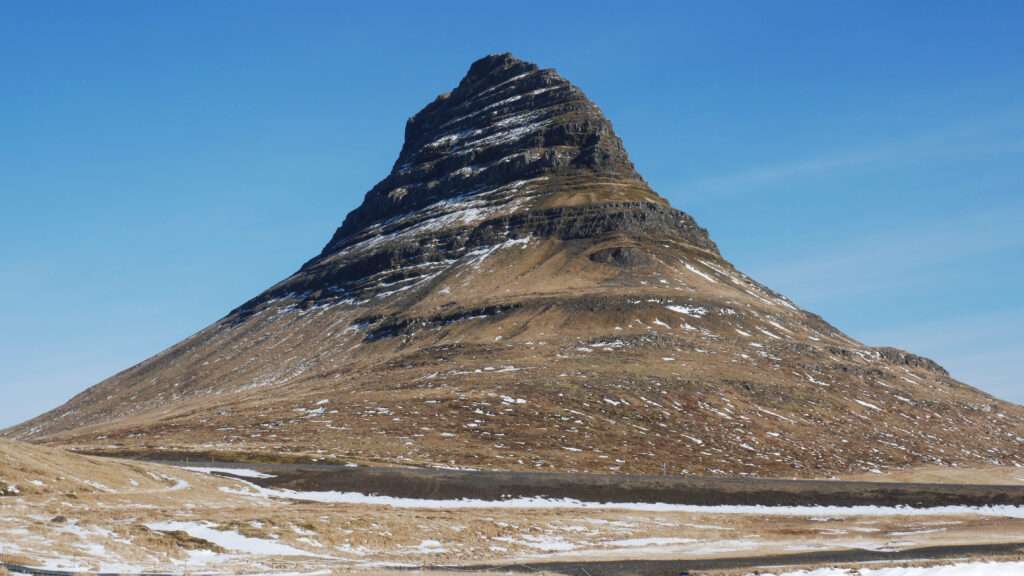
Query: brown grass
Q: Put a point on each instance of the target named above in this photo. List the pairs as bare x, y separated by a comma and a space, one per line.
384, 534
991, 475
425, 396
365, 533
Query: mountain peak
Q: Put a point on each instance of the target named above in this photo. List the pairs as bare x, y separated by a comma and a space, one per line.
513, 295
507, 120
499, 66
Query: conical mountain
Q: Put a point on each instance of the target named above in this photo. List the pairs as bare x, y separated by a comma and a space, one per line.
513, 295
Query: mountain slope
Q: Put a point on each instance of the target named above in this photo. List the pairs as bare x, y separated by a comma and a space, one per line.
514, 295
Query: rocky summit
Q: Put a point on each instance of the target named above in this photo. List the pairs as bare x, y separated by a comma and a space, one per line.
513, 295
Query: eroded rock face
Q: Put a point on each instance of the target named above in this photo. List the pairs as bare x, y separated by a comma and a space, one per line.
506, 121
415, 250
513, 153
513, 295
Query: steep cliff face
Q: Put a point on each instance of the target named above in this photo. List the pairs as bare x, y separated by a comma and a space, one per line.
514, 295
514, 152
506, 121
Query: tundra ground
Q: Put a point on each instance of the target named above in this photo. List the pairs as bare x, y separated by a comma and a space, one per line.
77, 513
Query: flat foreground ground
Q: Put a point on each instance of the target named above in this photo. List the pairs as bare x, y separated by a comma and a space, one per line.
250, 519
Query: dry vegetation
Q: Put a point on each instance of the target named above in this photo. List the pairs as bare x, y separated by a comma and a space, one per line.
565, 320
587, 376
991, 475
558, 317
87, 524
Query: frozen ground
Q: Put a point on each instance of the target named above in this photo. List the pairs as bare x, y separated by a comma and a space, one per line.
162, 519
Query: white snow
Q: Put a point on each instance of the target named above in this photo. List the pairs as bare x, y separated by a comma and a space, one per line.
866, 404
542, 542
640, 542
230, 539
688, 310
243, 472
1001, 511
429, 547
774, 414
699, 273
691, 438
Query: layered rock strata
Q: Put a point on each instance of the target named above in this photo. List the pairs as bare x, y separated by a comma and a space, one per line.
513, 295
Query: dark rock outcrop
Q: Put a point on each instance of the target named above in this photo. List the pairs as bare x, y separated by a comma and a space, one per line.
507, 120
513, 152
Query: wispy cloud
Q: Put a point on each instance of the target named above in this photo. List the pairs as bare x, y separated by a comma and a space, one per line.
886, 262
758, 177
983, 350
952, 332
918, 264
969, 138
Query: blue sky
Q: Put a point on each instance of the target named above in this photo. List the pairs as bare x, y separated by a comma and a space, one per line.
160, 163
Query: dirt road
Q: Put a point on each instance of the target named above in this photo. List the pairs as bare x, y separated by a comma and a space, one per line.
822, 558
682, 567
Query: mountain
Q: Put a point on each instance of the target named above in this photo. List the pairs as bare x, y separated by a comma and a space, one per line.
514, 295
